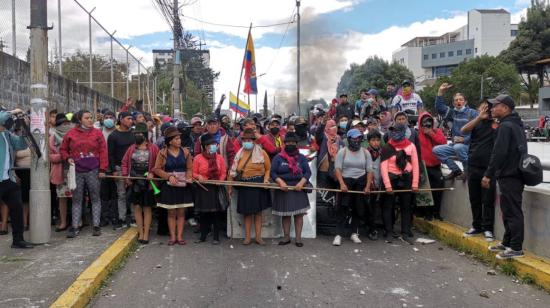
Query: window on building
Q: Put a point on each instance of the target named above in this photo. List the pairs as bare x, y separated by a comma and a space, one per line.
514, 32
451, 54
476, 50
426, 57
434, 56
442, 54
459, 52
468, 51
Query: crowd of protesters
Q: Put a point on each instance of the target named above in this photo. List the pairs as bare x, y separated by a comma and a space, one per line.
167, 168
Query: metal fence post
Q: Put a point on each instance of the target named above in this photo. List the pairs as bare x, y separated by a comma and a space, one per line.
112, 70
13, 42
127, 73
60, 54
90, 45
139, 80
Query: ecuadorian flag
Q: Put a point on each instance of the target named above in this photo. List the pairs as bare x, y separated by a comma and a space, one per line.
250, 80
241, 107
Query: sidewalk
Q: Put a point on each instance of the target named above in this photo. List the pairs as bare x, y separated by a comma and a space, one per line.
36, 277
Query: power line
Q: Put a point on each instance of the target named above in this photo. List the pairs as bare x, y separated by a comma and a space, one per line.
281, 43
237, 26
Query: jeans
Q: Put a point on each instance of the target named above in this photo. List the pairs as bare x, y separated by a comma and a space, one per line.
444, 153
354, 206
482, 200
435, 178
10, 194
405, 202
121, 198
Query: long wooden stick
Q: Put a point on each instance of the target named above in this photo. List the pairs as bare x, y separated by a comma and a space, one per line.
120, 177
275, 186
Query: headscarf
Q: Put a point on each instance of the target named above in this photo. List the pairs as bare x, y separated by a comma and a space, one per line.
292, 162
332, 138
397, 136
406, 96
59, 132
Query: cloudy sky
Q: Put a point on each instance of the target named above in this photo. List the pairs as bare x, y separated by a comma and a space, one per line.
335, 33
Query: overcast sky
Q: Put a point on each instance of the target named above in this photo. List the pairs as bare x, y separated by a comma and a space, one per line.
335, 33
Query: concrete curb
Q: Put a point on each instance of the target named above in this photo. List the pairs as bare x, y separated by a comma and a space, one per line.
81, 291
530, 268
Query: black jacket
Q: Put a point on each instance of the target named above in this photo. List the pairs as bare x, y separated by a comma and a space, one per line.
345, 109
506, 156
482, 140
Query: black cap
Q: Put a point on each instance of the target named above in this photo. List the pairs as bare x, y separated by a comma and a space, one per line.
343, 95
212, 118
503, 99
60, 118
124, 114
291, 137
406, 81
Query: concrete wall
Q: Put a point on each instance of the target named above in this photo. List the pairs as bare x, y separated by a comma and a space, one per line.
445, 48
536, 209
410, 57
64, 94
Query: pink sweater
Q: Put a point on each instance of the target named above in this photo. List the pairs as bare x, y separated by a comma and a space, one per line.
389, 166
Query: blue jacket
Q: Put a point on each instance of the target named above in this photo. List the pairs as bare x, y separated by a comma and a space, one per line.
280, 169
458, 118
15, 143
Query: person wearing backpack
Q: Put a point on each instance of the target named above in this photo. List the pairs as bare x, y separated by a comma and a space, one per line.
504, 169
353, 168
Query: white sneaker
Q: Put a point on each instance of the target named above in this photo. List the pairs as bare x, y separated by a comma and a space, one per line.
355, 238
337, 240
489, 237
472, 232
192, 222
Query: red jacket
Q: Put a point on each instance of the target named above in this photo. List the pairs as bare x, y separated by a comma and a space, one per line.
126, 164
78, 140
428, 142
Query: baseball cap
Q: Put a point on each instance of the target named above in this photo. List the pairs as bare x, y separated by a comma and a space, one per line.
212, 118
373, 92
195, 120
355, 122
354, 133
503, 99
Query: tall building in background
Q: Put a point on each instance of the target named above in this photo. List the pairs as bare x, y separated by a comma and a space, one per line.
165, 57
488, 32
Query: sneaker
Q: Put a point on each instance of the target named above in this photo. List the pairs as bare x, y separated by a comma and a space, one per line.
96, 231
407, 238
192, 222
72, 233
472, 232
337, 240
453, 175
489, 237
499, 247
373, 236
355, 238
509, 254
119, 225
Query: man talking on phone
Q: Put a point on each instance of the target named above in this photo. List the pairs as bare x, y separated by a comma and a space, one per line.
459, 115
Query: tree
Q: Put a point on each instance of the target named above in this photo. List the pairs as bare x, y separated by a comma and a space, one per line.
530, 45
374, 73
498, 77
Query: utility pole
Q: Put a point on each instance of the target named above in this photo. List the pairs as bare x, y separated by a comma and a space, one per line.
40, 207
60, 54
298, 56
177, 58
13, 36
90, 47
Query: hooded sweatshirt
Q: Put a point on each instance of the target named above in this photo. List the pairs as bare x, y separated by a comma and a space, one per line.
459, 118
506, 156
428, 142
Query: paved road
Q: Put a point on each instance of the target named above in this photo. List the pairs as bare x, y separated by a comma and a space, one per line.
36, 277
372, 274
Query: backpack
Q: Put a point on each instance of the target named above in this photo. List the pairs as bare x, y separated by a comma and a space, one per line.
529, 167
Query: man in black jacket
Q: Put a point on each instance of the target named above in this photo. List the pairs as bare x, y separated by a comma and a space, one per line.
503, 167
482, 130
344, 108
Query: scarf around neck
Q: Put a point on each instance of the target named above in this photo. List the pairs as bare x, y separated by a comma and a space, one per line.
292, 162
332, 138
213, 172
59, 132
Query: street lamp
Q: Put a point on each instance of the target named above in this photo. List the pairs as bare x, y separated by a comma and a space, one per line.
482, 80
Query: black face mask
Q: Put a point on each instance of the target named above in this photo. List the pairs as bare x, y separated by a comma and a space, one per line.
226, 126
140, 138
354, 145
274, 130
291, 149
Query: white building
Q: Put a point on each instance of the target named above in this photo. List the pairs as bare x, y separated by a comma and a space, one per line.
488, 32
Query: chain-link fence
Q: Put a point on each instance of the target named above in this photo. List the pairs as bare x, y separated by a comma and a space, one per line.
80, 49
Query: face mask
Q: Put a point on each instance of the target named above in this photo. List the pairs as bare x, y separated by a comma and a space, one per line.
248, 145
290, 148
109, 123
139, 138
301, 130
460, 109
343, 124
212, 149
274, 130
354, 145
370, 101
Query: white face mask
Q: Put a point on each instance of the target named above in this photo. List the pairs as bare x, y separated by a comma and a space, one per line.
460, 109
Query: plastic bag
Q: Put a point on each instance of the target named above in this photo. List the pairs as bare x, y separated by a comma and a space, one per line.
71, 177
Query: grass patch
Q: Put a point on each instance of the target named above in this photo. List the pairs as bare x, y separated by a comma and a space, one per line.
527, 279
508, 268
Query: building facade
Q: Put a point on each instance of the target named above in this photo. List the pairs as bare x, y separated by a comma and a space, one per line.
488, 32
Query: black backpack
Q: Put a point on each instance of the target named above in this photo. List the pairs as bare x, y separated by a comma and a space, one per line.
529, 165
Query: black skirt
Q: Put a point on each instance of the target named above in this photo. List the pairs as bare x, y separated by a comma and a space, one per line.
172, 197
144, 198
207, 201
253, 200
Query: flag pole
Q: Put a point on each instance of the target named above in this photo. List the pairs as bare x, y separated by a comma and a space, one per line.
242, 69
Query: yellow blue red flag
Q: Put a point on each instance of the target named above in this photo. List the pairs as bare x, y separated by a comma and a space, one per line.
241, 107
250, 85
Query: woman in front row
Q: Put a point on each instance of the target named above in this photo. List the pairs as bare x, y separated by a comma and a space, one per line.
400, 171
209, 165
175, 164
251, 165
290, 168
